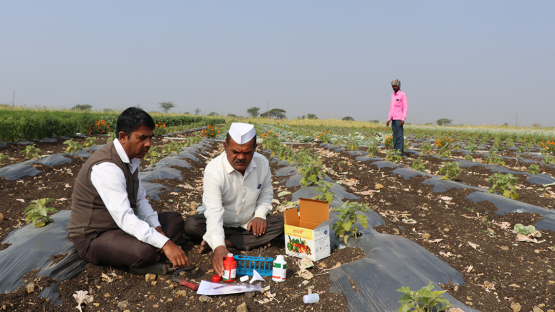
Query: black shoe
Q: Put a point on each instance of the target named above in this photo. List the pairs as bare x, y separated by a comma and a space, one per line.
156, 268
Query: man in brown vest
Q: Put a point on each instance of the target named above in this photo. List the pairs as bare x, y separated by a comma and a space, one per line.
111, 221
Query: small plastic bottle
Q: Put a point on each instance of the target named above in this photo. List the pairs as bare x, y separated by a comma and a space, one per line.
279, 269
230, 267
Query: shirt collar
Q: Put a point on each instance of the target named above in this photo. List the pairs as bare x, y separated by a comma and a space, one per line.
229, 168
134, 163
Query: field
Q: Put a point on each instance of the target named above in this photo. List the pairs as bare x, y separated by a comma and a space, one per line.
454, 218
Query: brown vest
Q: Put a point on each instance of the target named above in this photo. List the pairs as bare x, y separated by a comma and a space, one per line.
88, 212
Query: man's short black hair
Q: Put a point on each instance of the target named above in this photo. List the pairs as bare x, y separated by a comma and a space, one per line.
227, 137
131, 119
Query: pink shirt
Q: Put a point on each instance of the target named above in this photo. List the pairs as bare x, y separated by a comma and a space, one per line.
398, 107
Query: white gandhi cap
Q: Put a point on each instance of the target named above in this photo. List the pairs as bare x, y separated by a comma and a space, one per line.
241, 133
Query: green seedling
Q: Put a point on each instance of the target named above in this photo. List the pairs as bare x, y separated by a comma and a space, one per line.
506, 183
72, 146
372, 149
312, 172
351, 145
418, 165
324, 187
472, 148
534, 169
426, 147
444, 152
348, 218
153, 155
469, 209
548, 159
423, 300
393, 156
37, 212
3, 158
88, 142
468, 157
495, 159
31, 151
450, 170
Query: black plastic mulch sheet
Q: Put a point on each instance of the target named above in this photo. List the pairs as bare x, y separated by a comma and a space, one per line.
507, 205
31, 249
441, 186
391, 262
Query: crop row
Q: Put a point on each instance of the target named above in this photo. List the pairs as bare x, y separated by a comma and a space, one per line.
28, 125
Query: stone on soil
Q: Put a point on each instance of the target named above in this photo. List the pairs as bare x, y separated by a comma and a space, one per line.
242, 307
205, 299
123, 304
515, 306
378, 186
150, 277
30, 287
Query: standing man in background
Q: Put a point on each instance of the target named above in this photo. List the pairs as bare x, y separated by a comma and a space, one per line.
397, 114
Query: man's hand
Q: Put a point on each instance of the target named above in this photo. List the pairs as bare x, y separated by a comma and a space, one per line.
387, 124
176, 255
218, 261
402, 123
258, 226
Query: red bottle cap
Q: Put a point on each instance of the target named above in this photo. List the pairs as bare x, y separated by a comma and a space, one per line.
216, 278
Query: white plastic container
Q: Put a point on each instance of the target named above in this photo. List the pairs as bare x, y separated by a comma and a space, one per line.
279, 269
312, 298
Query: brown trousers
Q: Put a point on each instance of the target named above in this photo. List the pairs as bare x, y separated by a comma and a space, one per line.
117, 248
195, 228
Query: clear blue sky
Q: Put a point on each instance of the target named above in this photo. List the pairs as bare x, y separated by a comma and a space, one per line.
480, 62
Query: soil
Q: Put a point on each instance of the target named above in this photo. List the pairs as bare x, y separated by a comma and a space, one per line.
498, 270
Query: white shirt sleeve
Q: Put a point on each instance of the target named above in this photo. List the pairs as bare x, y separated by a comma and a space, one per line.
264, 202
212, 201
114, 196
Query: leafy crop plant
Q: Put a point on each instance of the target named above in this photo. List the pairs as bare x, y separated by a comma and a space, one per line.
423, 300
37, 212
348, 218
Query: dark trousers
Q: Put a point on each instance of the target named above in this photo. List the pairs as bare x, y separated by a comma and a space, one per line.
195, 228
117, 248
398, 137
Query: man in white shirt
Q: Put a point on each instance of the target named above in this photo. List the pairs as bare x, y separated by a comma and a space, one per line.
236, 200
112, 222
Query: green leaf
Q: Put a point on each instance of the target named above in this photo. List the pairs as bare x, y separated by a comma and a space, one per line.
346, 238
347, 225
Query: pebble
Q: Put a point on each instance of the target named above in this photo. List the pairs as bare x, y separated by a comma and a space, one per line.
515, 306
181, 293
250, 294
150, 277
549, 271
426, 236
536, 309
242, 307
205, 299
1, 216
123, 304
30, 287
107, 295
378, 186
505, 248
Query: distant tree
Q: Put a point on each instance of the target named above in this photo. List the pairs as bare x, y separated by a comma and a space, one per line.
231, 115
301, 117
505, 125
429, 124
443, 122
348, 118
276, 113
109, 110
311, 116
82, 107
166, 106
187, 113
253, 111
212, 114
197, 111
536, 125
375, 121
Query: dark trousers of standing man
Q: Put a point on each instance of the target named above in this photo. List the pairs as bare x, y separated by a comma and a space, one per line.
195, 228
398, 137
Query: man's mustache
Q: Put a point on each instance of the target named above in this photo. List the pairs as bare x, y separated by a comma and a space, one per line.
243, 161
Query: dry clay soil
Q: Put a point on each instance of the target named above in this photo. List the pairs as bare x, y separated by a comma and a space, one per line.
501, 274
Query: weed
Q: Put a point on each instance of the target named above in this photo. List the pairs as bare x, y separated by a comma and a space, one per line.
3, 158
469, 209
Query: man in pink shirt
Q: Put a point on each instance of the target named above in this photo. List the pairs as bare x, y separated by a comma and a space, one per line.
397, 114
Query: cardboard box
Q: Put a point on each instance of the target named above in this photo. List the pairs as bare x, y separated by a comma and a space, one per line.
306, 235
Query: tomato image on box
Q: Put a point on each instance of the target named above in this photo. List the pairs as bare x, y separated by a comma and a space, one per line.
308, 234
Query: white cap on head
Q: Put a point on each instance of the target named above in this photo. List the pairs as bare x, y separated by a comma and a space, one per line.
241, 133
